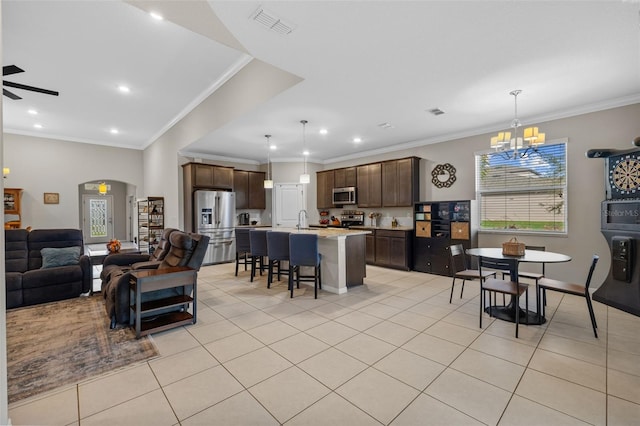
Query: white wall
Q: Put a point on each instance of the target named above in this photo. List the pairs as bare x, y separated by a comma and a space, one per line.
41, 165
613, 128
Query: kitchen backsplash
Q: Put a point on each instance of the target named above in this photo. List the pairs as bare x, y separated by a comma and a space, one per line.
402, 214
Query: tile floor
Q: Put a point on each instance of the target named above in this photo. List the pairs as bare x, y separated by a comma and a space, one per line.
393, 351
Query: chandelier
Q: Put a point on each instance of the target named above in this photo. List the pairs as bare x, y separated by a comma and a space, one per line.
520, 146
304, 177
268, 182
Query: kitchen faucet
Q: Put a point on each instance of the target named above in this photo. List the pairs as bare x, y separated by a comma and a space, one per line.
302, 219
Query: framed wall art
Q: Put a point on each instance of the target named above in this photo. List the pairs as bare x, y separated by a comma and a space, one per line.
51, 198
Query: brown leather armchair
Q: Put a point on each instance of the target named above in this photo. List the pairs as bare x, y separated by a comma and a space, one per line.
182, 249
121, 261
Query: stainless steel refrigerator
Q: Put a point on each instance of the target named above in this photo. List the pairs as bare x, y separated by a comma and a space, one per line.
214, 216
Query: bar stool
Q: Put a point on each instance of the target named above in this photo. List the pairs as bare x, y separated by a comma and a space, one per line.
243, 248
258, 243
303, 251
278, 251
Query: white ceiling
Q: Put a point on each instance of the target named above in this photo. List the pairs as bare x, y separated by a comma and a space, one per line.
363, 63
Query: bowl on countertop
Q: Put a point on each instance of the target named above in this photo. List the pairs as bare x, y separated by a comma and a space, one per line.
254, 222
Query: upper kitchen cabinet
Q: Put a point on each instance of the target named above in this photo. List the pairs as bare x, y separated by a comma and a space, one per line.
249, 189
324, 190
369, 192
208, 176
400, 182
345, 177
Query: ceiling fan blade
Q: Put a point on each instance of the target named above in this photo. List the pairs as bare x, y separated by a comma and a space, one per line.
11, 69
33, 89
10, 95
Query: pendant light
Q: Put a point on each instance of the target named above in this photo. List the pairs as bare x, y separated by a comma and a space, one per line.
102, 188
268, 183
304, 177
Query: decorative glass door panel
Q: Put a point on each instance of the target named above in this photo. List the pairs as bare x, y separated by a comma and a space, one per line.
98, 218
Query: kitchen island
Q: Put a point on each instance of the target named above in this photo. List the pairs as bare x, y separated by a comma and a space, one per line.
343, 256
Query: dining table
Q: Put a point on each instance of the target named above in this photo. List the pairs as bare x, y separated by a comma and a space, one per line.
508, 312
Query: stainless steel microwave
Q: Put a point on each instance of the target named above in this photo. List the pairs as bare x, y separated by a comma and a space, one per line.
344, 195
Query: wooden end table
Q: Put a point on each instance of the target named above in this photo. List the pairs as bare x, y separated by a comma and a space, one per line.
147, 280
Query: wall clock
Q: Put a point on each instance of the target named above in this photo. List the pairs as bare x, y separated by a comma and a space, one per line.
623, 176
443, 175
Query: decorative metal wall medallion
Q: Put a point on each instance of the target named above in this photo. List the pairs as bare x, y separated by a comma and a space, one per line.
443, 175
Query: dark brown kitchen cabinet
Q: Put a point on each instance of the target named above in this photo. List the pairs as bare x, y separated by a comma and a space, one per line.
324, 189
389, 248
393, 249
223, 177
400, 182
241, 188
257, 193
345, 177
370, 252
369, 193
249, 189
208, 176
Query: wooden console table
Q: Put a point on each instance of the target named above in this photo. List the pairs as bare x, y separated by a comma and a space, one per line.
147, 280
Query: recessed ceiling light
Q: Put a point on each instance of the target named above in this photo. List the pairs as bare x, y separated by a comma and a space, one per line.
357, 140
32, 112
114, 131
124, 89
323, 131
37, 126
156, 16
305, 152
273, 147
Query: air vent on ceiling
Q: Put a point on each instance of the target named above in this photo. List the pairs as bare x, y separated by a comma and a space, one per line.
270, 21
436, 111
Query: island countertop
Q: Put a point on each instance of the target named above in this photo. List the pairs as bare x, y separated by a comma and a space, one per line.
326, 232
385, 228
343, 255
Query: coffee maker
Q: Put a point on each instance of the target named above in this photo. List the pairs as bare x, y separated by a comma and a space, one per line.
243, 219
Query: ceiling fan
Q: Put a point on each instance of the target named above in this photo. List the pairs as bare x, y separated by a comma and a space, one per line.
12, 69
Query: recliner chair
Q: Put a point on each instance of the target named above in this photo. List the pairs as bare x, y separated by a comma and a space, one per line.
183, 250
119, 261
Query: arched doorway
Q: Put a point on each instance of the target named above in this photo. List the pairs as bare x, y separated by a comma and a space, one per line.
106, 216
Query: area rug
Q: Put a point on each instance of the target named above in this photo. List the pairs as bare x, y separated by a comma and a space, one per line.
60, 343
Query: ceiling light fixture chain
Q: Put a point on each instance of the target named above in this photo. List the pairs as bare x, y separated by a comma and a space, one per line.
530, 139
304, 177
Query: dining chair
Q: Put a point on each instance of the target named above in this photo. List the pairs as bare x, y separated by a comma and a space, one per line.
510, 287
303, 251
277, 252
258, 243
243, 248
575, 289
460, 268
536, 276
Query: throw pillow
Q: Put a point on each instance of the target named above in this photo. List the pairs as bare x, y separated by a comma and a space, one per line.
54, 257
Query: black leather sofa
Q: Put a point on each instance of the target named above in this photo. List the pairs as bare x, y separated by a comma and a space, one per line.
177, 248
28, 283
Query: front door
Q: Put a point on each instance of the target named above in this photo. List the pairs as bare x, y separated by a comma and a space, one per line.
97, 218
289, 200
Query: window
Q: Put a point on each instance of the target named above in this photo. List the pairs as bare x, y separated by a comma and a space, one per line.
523, 194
